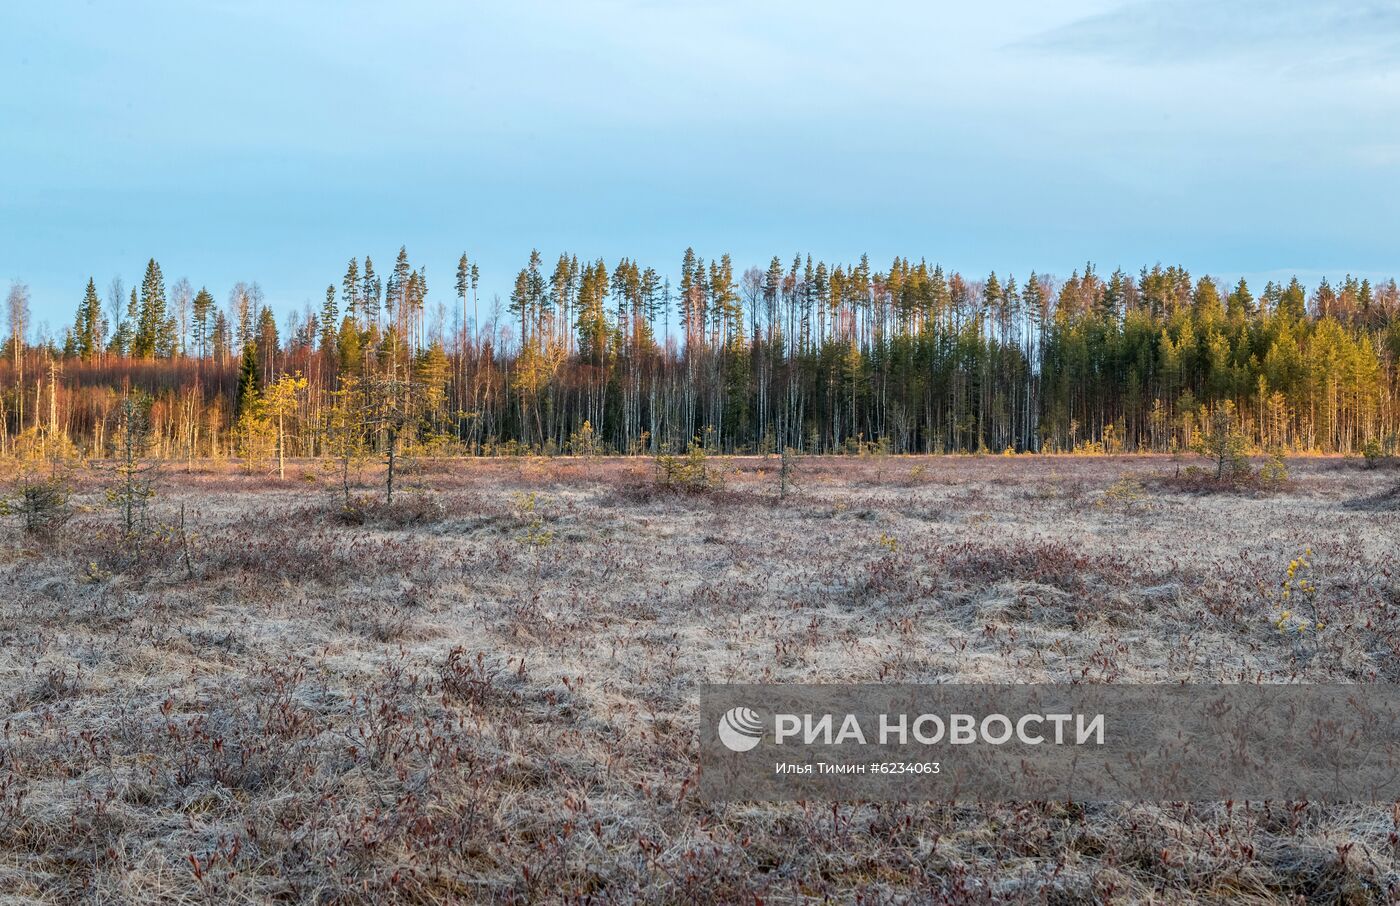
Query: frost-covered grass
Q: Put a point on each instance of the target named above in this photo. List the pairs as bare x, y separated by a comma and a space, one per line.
487, 691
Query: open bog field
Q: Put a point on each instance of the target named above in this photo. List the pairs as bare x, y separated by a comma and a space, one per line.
487, 690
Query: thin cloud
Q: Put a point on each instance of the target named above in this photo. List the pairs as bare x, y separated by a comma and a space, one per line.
1309, 38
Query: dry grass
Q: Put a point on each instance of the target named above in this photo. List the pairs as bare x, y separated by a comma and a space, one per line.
487, 690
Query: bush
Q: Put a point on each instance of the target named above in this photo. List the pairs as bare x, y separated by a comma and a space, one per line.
689, 474
1224, 446
418, 508
41, 505
584, 442
1377, 451
1270, 478
1274, 473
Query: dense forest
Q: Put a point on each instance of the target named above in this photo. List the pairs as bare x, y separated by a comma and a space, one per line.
587, 357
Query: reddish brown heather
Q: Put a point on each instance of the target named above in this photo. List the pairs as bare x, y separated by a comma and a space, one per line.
487, 690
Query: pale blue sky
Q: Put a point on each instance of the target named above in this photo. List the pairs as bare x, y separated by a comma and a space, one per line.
270, 141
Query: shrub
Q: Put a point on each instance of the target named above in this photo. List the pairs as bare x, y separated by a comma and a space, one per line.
133, 478
418, 508
535, 534
1377, 451
1272, 477
689, 474
1224, 446
584, 442
41, 505
1127, 491
1274, 473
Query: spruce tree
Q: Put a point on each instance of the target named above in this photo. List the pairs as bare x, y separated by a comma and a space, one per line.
150, 324
86, 328
249, 382
220, 339
124, 335
268, 342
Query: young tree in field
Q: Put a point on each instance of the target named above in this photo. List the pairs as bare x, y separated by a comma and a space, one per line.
133, 485
279, 403
42, 504
346, 427
1223, 444
250, 422
388, 412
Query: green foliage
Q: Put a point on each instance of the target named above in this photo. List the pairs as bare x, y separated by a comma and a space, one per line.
1126, 493
827, 357
41, 504
151, 330
689, 474
1378, 450
345, 438
1224, 445
1274, 472
133, 477
532, 521
87, 330
249, 393
584, 442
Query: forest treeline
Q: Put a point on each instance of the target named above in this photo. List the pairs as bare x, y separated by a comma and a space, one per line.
587, 356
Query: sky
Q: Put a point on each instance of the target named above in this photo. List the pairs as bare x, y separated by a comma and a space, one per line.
271, 141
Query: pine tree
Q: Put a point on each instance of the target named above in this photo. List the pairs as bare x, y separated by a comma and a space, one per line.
463, 284
370, 290
329, 320
203, 304
350, 287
